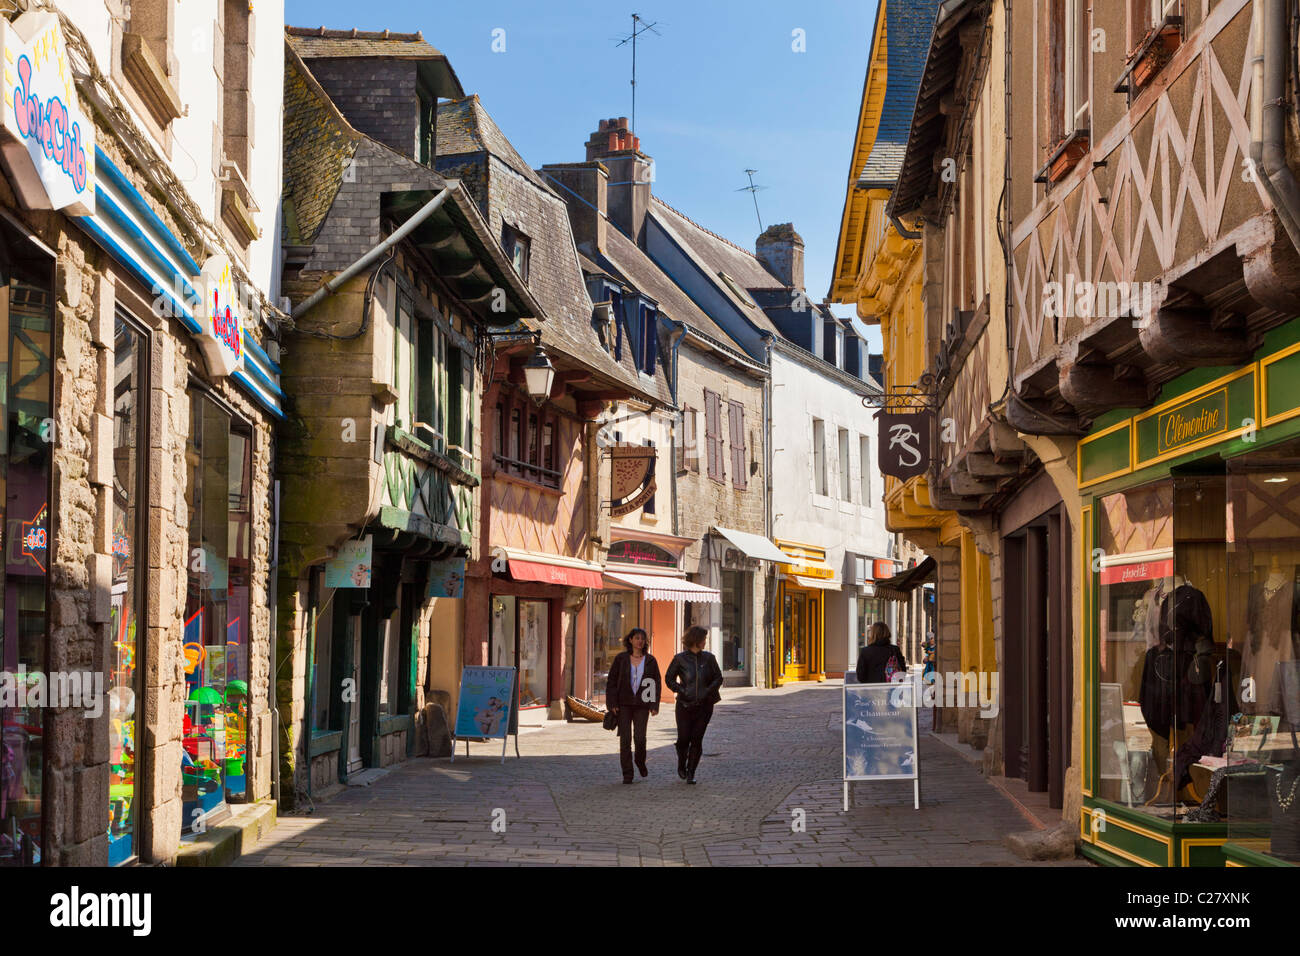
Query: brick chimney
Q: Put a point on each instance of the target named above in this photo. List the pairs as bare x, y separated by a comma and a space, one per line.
630, 174
585, 188
780, 248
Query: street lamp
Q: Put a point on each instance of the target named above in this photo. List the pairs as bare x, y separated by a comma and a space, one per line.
539, 374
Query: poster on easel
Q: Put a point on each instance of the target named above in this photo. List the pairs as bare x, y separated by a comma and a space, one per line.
486, 707
879, 724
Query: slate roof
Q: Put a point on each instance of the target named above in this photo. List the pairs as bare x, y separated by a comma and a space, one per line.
714, 255
464, 127
317, 42
639, 271
908, 27
515, 195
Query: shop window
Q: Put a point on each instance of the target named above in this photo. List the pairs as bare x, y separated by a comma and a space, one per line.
735, 619
215, 719
616, 613
26, 321
1259, 789
390, 677
124, 693
520, 638
324, 711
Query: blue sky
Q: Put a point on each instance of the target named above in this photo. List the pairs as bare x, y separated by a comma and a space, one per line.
719, 90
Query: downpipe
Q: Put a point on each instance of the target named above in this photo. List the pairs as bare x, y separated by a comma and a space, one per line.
1268, 114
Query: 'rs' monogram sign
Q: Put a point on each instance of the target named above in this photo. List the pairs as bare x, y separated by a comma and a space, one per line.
904, 444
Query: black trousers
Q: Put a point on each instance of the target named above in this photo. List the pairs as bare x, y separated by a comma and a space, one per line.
631, 729
691, 724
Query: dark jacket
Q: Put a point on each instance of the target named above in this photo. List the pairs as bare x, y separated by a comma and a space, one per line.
619, 691
872, 660
695, 678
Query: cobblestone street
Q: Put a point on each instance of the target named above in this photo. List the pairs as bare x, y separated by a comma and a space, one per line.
767, 753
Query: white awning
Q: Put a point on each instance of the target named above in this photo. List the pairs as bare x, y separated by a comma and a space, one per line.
656, 587
754, 545
823, 584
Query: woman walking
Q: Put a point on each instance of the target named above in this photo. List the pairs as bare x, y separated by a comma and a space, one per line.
632, 693
694, 676
880, 660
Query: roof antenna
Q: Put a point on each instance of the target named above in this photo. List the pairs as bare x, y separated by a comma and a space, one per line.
753, 192
638, 28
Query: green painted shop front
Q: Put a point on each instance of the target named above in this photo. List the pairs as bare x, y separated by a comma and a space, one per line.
1190, 569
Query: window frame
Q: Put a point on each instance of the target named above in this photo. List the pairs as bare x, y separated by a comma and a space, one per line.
818, 457
527, 451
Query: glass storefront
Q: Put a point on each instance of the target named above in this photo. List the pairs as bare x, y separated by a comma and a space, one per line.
735, 620
124, 664
521, 638
616, 613
215, 722
26, 323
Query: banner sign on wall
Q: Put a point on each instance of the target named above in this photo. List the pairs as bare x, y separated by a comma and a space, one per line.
904, 444
879, 724
350, 568
50, 147
631, 477
221, 338
447, 578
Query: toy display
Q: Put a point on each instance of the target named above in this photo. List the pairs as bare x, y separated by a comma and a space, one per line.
121, 737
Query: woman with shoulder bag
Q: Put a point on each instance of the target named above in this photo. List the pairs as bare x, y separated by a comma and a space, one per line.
880, 660
695, 677
632, 694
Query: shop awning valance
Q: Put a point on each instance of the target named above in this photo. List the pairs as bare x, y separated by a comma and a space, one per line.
656, 587
821, 584
552, 569
900, 586
754, 545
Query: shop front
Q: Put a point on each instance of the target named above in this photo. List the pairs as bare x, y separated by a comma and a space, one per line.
1191, 573
644, 587
537, 608
738, 563
803, 584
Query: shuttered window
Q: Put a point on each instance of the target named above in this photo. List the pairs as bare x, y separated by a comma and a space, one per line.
713, 434
739, 472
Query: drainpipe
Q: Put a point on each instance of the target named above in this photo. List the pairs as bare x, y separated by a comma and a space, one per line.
1268, 114
275, 668
768, 521
402, 231
678, 335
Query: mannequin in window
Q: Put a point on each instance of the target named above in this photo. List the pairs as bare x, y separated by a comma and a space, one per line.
1170, 697
1272, 626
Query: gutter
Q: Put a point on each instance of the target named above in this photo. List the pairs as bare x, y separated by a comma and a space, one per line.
1268, 114
402, 231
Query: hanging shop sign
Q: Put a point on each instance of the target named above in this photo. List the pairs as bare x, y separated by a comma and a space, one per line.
221, 338
447, 578
350, 568
884, 568
904, 444
50, 146
631, 477
641, 553
35, 538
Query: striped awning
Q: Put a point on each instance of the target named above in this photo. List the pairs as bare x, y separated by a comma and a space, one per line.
656, 587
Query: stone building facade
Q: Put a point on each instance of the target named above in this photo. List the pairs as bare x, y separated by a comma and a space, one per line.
146, 425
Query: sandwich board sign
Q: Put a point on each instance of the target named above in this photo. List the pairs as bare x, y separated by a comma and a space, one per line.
486, 707
880, 735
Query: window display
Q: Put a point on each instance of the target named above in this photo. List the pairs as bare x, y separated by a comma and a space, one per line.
124, 666
215, 721
617, 612
521, 638
26, 320
735, 605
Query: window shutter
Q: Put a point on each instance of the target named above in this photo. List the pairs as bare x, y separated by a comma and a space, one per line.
681, 439
713, 412
739, 473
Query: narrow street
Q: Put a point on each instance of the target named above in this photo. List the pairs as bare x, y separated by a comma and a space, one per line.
767, 753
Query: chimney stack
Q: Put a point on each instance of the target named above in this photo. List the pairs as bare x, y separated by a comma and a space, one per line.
630, 174
780, 248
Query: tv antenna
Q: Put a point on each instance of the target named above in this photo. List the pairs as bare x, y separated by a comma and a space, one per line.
753, 192
638, 27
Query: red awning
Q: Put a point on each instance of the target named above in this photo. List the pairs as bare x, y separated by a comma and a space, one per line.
555, 574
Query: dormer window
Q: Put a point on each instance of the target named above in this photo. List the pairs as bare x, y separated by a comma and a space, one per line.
516, 244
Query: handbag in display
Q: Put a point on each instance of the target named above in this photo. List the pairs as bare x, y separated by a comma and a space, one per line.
610, 720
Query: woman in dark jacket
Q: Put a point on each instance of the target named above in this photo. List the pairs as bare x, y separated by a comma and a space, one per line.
874, 658
695, 677
632, 692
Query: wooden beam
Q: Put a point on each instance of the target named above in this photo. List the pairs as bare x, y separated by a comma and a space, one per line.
965, 484
1094, 388
1004, 441
1035, 418
986, 466
1186, 337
